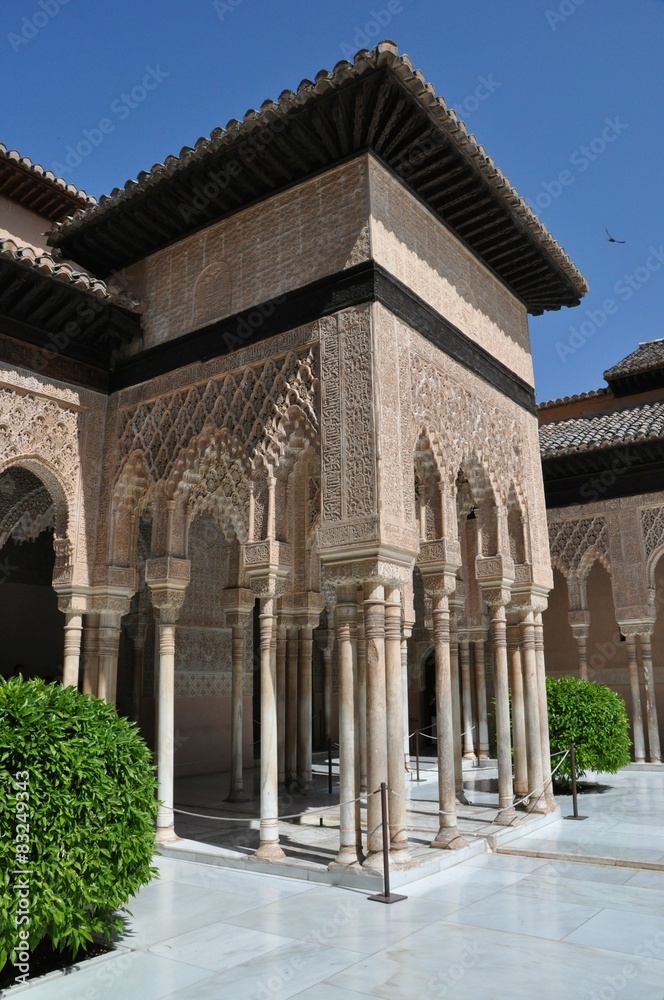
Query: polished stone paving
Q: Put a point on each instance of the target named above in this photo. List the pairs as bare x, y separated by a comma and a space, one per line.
495, 926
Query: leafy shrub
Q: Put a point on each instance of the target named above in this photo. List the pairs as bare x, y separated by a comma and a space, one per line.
77, 784
594, 718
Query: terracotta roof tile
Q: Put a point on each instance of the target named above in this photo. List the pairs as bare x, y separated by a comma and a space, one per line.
578, 398
46, 264
12, 157
602, 430
649, 356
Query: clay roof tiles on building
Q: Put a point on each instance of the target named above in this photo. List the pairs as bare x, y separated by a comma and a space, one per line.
39, 190
579, 397
507, 234
643, 422
46, 265
648, 357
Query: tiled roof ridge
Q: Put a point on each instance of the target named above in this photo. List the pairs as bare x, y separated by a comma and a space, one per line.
13, 156
63, 271
549, 404
385, 53
611, 430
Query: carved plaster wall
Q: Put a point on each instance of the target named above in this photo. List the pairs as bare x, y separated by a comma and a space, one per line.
56, 432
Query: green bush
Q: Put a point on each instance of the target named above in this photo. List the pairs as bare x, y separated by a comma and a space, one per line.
77, 811
591, 716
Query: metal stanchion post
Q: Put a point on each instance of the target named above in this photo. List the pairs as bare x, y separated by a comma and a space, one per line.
574, 792
385, 896
417, 758
329, 766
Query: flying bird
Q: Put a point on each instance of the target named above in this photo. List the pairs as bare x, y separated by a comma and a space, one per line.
612, 239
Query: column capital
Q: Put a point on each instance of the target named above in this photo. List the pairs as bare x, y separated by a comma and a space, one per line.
268, 565
527, 601
386, 567
237, 605
168, 579
636, 628
302, 610
72, 601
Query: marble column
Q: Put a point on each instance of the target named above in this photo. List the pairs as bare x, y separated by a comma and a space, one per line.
108, 644
398, 821
543, 714
238, 630
72, 647
456, 712
482, 713
531, 698
655, 755
518, 711
448, 834
408, 621
467, 700
291, 705
304, 708
269, 848
635, 687
282, 638
165, 731
362, 696
349, 779
579, 620
91, 654
507, 814
137, 631
374, 629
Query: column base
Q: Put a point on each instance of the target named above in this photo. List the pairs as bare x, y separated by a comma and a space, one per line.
238, 796
348, 857
484, 755
269, 851
655, 760
374, 859
507, 818
469, 755
165, 835
461, 799
399, 856
448, 838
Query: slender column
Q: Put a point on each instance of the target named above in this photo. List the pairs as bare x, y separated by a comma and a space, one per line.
448, 835
346, 626
468, 728
374, 627
507, 814
637, 717
138, 636
456, 713
580, 633
362, 696
165, 730
327, 691
304, 707
651, 705
281, 701
109, 644
482, 714
291, 705
394, 696
236, 793
579, 619
72, 650
269, 848
531, 693
91, 654
405, 635
518, 712
543, 713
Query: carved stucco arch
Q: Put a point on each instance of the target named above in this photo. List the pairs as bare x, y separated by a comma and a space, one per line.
62, 495
429, 474
132, 494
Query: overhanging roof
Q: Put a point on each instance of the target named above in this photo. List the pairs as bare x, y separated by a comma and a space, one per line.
40, 191
378, 104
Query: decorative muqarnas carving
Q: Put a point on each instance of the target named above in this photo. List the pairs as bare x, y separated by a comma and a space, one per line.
575, 544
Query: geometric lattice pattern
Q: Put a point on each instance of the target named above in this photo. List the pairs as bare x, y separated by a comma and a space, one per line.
652, 521
246, 404
575, 544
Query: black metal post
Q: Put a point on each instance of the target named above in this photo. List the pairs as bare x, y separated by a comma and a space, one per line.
329, 766
386, 896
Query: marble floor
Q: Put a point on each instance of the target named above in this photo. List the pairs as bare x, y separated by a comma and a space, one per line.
493, 927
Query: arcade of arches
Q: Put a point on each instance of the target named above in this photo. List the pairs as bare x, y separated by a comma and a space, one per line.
292, 483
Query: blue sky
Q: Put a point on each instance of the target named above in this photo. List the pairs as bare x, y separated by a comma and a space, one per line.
565, 95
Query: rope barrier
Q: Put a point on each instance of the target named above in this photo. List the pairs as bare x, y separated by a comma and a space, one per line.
250, 819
